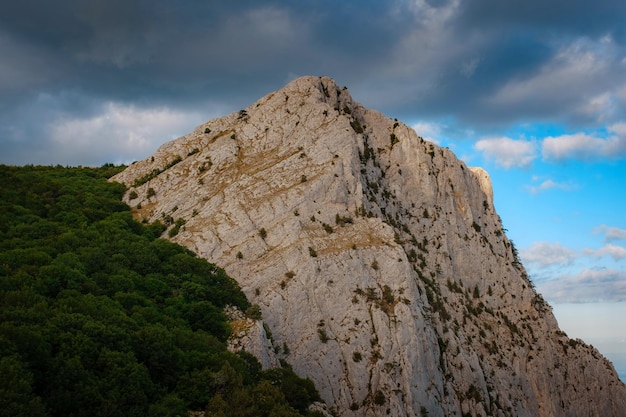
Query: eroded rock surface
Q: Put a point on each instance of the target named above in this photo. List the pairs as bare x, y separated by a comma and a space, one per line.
378, 260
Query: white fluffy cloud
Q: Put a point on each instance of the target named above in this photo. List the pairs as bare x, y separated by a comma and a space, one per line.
600, 107
584, 282
429, 131
614, 251
587, 147
508, 152
126, 131
545, 254
549, 184
590, 285
610, 233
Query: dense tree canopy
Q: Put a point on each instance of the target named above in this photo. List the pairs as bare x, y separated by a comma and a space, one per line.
100, 317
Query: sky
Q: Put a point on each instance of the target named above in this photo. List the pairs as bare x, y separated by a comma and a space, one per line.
533, 91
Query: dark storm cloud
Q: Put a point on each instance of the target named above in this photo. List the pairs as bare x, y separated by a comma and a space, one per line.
491, 51
592, 18
158, 48
484, 63
471, 76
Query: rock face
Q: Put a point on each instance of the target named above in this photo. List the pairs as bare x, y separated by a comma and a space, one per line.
377, 258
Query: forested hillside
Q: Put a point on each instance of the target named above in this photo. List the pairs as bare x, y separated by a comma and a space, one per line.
100, 317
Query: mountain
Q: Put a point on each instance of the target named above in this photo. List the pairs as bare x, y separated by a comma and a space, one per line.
377, 258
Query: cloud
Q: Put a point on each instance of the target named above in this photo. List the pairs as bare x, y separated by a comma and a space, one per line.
580, 16
584, 146
119, 131
549, 184
508, 152
610, 233
422, 54
547, 261
590, 285
429, 131
601, 107
591, 64
469, 68
481, 65
119, 33
24, 66
614, 251
547, 254
574, 62
256, 38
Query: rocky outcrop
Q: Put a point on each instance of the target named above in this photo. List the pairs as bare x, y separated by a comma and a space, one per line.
377, 258
250, 335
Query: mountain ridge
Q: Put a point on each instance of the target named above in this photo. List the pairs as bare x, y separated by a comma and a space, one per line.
377, 258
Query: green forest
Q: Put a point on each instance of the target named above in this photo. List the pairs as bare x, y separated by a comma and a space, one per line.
99, 316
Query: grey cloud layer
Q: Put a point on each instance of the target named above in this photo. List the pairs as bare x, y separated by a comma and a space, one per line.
484, 63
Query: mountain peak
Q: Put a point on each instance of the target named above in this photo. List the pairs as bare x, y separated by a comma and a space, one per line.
377, 258
326, 87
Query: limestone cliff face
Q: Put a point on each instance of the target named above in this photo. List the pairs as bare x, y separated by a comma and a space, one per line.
377, 258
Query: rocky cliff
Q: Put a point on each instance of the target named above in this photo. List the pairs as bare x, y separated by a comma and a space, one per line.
378, 260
